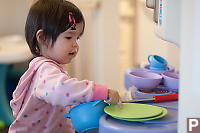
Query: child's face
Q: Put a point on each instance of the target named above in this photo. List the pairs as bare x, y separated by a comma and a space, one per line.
66, 46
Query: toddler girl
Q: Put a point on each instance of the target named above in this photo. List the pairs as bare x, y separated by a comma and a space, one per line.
45, 92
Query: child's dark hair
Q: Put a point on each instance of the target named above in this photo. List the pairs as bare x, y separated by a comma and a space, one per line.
52, 16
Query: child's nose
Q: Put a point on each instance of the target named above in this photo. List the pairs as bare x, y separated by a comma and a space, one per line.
75, 44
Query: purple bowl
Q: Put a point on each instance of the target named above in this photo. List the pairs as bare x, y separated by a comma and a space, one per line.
144, 80
127, 76
160, 90
171, 80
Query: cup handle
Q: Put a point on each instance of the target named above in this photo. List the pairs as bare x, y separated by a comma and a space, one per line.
167, 68
67, 115
149, 58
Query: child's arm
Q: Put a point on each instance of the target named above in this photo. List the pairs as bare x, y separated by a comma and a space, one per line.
56, 88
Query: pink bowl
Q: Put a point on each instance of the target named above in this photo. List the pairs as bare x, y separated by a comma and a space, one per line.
171, 80
144, 80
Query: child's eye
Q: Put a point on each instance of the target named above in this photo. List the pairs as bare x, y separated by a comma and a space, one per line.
68, 38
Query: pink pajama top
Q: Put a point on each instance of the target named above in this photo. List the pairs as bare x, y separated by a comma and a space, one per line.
45, 93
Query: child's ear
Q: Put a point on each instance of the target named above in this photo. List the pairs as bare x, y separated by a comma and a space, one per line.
41, 39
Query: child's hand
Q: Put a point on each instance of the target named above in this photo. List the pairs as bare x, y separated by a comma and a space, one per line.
113, 97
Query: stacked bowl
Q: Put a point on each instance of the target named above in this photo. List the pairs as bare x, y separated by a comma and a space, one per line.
153, 79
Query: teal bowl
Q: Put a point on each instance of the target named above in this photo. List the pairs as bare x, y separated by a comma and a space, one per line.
86, 116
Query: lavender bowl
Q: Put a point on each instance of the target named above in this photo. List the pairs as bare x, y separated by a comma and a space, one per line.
144, 80
171, 80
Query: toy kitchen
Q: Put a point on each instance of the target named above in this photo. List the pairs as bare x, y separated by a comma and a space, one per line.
177, 22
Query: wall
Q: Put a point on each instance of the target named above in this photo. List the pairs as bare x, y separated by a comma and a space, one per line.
12, 16
148, 43
128, 36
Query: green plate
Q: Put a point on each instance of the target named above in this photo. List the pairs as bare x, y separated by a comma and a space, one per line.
146, 119
133, 110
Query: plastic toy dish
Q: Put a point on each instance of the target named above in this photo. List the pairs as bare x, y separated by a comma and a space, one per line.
164, 112
127, 76
86, 116
170, 117
169, 68
133, 111
142, 94
155, 91
144, 80
171, 80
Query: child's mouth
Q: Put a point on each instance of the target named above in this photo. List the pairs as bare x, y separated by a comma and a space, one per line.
71, 53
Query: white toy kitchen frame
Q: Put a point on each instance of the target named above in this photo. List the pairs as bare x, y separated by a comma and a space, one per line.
178, 21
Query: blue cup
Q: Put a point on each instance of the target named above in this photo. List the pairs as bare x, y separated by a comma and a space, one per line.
157, 63
157, 68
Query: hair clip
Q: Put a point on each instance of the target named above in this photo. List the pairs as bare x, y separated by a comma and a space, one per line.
72, 22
